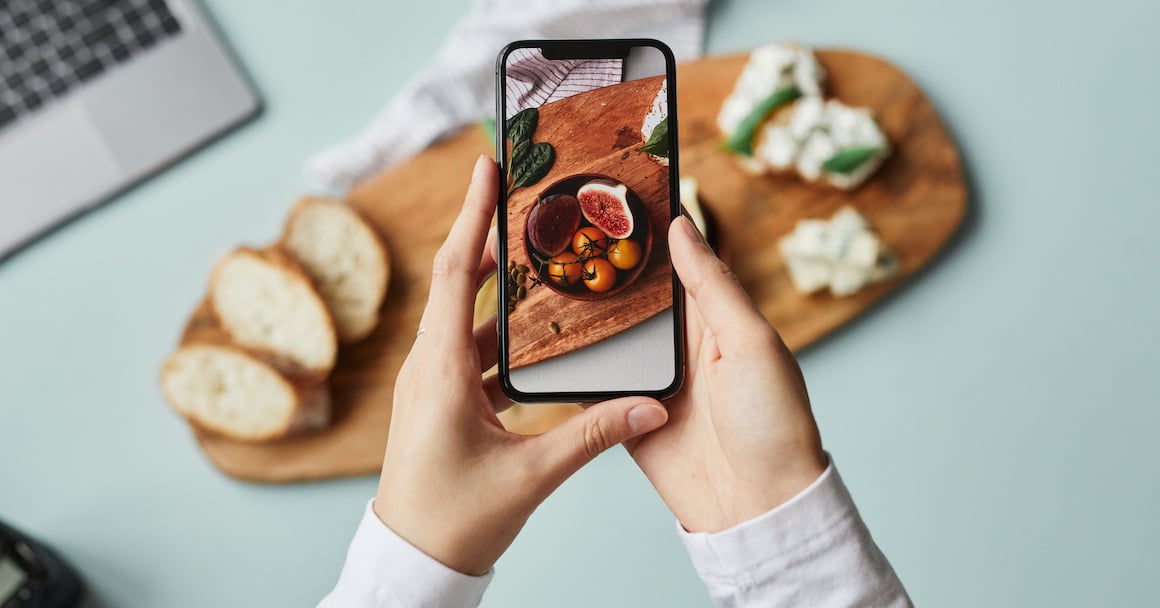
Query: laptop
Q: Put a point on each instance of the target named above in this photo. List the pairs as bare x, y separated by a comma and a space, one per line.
96, 95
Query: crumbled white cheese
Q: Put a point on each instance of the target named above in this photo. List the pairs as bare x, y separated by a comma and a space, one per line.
658, 113
841, 253
770, 68
814, 132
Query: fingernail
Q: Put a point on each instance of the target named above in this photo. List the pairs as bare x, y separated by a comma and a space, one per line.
644, 418
691, 229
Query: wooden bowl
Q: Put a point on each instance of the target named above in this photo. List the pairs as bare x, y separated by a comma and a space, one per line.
641, 233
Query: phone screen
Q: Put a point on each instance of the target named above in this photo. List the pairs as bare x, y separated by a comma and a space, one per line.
587, 298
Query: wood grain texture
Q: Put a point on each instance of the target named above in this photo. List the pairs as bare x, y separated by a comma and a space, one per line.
594, 132
916, 202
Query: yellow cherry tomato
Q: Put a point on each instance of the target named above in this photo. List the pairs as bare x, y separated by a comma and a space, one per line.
624, 254
589, 242
599, 275
565, 270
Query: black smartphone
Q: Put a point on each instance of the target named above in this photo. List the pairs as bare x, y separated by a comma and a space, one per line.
586, 140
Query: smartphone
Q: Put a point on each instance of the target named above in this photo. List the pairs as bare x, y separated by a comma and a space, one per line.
586, 140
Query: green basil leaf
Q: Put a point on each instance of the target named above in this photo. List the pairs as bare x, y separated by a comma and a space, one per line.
741, 142
849, 159
533, 166
658, 142
521, 126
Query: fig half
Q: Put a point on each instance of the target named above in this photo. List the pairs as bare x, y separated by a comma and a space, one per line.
552, 222
604, 203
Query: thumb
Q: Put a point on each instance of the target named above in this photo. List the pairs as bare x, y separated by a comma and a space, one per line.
718, 296
566, 448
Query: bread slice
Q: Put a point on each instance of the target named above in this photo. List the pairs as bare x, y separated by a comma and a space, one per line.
266, 302
228, 391
346, 259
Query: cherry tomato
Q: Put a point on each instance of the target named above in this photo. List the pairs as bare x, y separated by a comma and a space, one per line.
624, 254
565, 270
599, 275
590, 242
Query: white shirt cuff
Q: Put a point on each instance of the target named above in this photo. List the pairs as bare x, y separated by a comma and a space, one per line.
792, 524
813, 550
384, 571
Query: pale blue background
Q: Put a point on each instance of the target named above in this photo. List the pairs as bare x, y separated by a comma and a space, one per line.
996, 421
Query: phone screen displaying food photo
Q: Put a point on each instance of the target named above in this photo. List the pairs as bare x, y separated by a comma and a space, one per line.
587, 301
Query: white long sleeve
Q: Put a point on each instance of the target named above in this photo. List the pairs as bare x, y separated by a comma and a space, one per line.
813, 550
384, 571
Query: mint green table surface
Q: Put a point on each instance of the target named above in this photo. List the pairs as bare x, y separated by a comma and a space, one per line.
996, 420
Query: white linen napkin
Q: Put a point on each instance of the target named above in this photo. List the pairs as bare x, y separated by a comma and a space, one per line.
459, 87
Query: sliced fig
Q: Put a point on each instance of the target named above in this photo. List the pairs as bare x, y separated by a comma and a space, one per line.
552, 222
604, 203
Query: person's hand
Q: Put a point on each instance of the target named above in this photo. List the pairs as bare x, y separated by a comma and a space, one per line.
454, 483
741, 438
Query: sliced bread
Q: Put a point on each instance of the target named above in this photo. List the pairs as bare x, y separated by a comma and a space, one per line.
346, 259
228, 391
266, 302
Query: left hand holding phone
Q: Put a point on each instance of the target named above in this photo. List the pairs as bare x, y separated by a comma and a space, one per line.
455, 483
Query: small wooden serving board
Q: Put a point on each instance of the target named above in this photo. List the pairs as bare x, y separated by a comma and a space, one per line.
915, 202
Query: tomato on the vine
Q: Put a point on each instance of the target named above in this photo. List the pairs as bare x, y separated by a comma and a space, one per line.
624, 254
589, 242
565, 270
599, 275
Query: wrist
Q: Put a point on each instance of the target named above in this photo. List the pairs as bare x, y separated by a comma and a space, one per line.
440, 536
743, 497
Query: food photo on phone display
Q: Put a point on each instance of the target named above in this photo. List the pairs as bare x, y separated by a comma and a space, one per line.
586, 152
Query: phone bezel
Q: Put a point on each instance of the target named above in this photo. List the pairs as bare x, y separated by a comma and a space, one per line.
586, 49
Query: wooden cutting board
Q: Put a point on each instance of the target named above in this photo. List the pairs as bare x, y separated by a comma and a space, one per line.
596, 132
916, 202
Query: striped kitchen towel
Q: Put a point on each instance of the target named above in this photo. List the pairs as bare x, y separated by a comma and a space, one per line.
533, 81
458, 88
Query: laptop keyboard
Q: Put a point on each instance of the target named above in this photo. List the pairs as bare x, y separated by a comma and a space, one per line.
49, 47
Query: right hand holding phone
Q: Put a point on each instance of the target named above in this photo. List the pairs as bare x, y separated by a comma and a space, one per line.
741, 438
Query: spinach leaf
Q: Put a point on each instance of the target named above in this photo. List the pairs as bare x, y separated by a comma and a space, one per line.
534, 165
849, 159
741, 142
658, 142
521, 126
519, 151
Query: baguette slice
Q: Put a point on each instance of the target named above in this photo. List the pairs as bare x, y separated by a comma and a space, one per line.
228, 391
346, 259
266, 302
